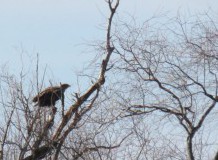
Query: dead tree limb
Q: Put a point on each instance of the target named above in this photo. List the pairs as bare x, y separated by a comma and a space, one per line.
59, 135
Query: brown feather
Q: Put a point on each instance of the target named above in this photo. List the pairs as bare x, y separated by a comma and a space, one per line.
50, 95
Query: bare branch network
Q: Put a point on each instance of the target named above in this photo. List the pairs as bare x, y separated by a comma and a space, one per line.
154, 96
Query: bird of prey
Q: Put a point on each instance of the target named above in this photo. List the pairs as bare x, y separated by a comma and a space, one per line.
50, 95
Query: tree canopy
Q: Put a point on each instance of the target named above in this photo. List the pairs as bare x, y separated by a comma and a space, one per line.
152, 94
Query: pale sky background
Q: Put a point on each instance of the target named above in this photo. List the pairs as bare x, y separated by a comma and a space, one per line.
56, 29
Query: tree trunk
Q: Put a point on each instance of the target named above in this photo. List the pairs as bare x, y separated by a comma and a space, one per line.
190, 155
216, 157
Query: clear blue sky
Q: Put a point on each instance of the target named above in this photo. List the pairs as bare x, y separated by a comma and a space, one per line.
56, 29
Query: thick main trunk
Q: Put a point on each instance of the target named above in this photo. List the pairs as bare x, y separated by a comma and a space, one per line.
216, 157
190, 154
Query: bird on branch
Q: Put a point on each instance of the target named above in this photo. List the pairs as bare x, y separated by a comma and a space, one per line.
50, 95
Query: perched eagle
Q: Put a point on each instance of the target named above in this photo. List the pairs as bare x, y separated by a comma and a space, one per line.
50, 95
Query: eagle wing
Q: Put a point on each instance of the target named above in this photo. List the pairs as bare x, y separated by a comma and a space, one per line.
45, 93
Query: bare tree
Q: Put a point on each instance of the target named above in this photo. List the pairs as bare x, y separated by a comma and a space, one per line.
34, 135
172, 69
154, 97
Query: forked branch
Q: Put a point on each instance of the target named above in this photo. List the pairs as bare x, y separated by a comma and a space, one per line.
91, 92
